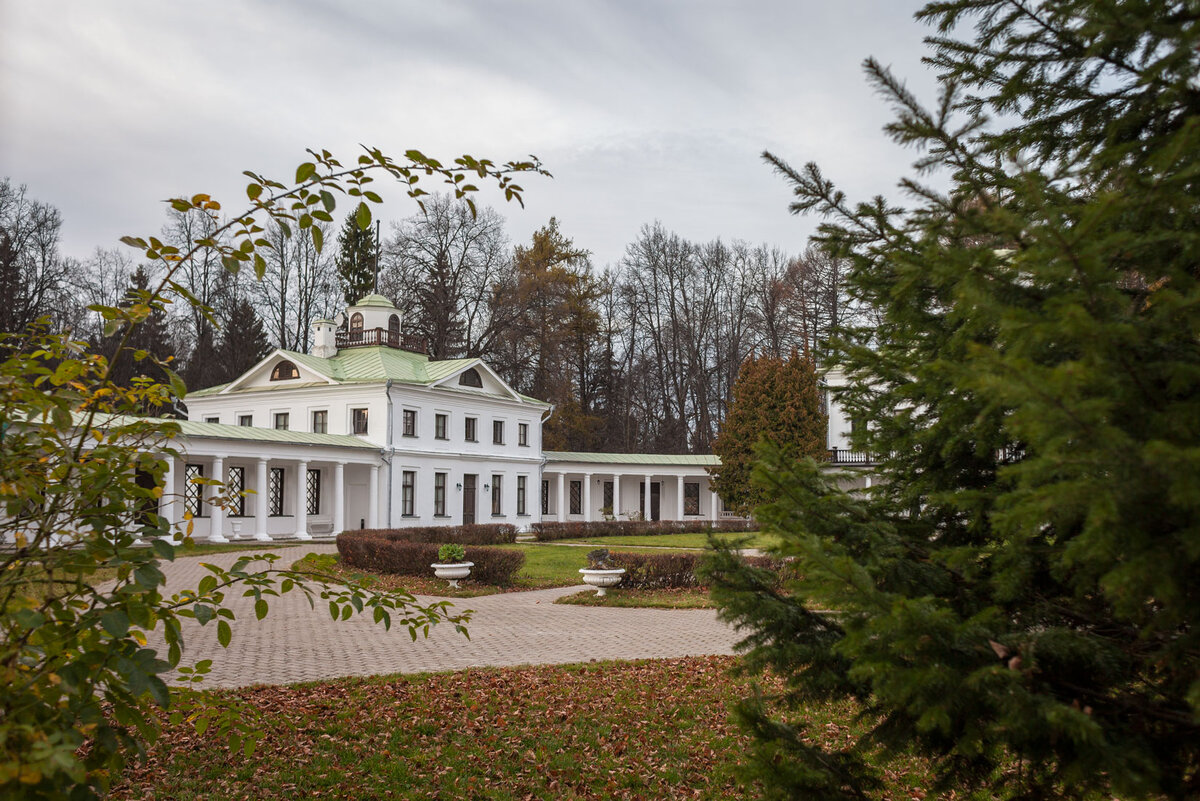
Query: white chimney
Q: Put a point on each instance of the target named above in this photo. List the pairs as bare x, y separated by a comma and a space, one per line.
324, 339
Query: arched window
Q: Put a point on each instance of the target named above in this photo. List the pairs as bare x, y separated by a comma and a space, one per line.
284, 371
394, 330
356, 323
470, 378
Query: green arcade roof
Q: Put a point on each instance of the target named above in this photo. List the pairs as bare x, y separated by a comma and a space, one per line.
690, 460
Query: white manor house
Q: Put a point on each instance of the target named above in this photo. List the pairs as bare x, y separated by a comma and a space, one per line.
368, 432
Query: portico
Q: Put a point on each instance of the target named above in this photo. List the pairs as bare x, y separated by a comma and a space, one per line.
610, 486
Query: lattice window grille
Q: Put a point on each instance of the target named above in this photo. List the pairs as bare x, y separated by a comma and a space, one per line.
235, 485
193, 494
313, 491
275, 492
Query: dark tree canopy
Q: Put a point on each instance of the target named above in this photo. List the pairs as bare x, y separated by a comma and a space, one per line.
1016, 596
150, 336
774, 400
356, 260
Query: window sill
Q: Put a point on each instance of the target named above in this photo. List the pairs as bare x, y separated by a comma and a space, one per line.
441, 517
409, 436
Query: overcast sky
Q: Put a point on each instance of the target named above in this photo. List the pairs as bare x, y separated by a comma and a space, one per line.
643, 111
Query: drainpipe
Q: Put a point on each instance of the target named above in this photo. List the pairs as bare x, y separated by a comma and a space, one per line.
390, 451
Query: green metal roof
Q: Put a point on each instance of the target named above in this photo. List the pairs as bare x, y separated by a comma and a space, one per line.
369, 365
194, 429
374, 300
697, 460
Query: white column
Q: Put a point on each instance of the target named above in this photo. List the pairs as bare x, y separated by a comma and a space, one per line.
679, 497
302, 501
169, 504
216, 523
587, 497
260, 501
616, 510
713, 501
339, 497
561, 501
648, 509
373, 498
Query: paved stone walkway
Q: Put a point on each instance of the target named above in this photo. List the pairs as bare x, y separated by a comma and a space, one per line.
295, 643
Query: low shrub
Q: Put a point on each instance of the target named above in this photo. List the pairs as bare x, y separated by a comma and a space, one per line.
614, 528
670, 571
481, 534
377, 552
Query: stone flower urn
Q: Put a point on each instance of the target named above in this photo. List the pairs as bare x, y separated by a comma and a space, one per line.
453, 572
602, 578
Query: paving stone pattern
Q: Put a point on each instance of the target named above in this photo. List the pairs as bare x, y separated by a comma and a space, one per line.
297, 643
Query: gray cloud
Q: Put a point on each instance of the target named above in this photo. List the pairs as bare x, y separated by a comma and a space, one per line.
643, 111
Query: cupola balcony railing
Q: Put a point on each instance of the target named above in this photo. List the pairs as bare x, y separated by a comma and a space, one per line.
376, 337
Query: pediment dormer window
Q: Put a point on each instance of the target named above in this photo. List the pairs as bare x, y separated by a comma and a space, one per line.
470, 378
284, 371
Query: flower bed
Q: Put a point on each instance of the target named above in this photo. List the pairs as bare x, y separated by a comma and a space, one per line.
669, 571
490, 534
379, 552
613, 528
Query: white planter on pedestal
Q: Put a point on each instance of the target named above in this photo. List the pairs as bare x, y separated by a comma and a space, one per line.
602, 579
453, 572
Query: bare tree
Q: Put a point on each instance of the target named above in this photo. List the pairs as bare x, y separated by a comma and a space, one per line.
32, 271
444, 268
299, 285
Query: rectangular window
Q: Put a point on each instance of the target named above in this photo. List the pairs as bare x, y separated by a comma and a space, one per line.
498, 432
408, 492
439, 426
321, 422
523, 434
691, 498
608, 497
576, 497
410, 423
496, 495
246, 420
234, 486
212, 419
545, 497
469, 430
281, 421
358, 418
313, 491
521, 495
193, 493
439, 494
275, 493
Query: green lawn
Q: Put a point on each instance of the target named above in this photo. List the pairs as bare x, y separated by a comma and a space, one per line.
693, 541
650, 729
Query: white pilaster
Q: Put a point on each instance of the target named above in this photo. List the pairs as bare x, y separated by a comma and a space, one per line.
587, 497
713, 502
616, 510
260, 501
647, 509
561, 500
302, 501
169, 504
339, 497
373, 498
679, 497
216, 522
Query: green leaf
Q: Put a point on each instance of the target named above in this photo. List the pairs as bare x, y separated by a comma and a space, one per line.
115, 622
260, 608
362, 216
224, 633
318, 238
305, 171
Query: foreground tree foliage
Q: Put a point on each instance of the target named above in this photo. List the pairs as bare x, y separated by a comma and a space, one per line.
1016, 597
90, 635
775, 401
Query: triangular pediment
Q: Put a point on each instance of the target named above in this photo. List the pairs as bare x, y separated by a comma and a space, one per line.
473, 375
280, 369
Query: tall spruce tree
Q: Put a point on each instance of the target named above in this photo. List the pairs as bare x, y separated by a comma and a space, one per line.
776, 401
356, 260
1016, 598
149, 344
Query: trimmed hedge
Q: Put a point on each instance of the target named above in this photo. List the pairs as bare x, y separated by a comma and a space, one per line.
614, 528
378, 552
489, 534
670, 571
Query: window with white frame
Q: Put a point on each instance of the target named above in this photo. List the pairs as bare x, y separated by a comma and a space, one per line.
358, 419
246, 420
497, 432
409, 428
212, 419
470, 429
439, 426
576, 497
523, 435
320, 422
281, 420
521, 494
408, 493
496, 495
439, 494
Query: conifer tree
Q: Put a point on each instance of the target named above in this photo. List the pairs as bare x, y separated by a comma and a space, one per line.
1016, 597
356, 259
150, 336
244, 341
774, 400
